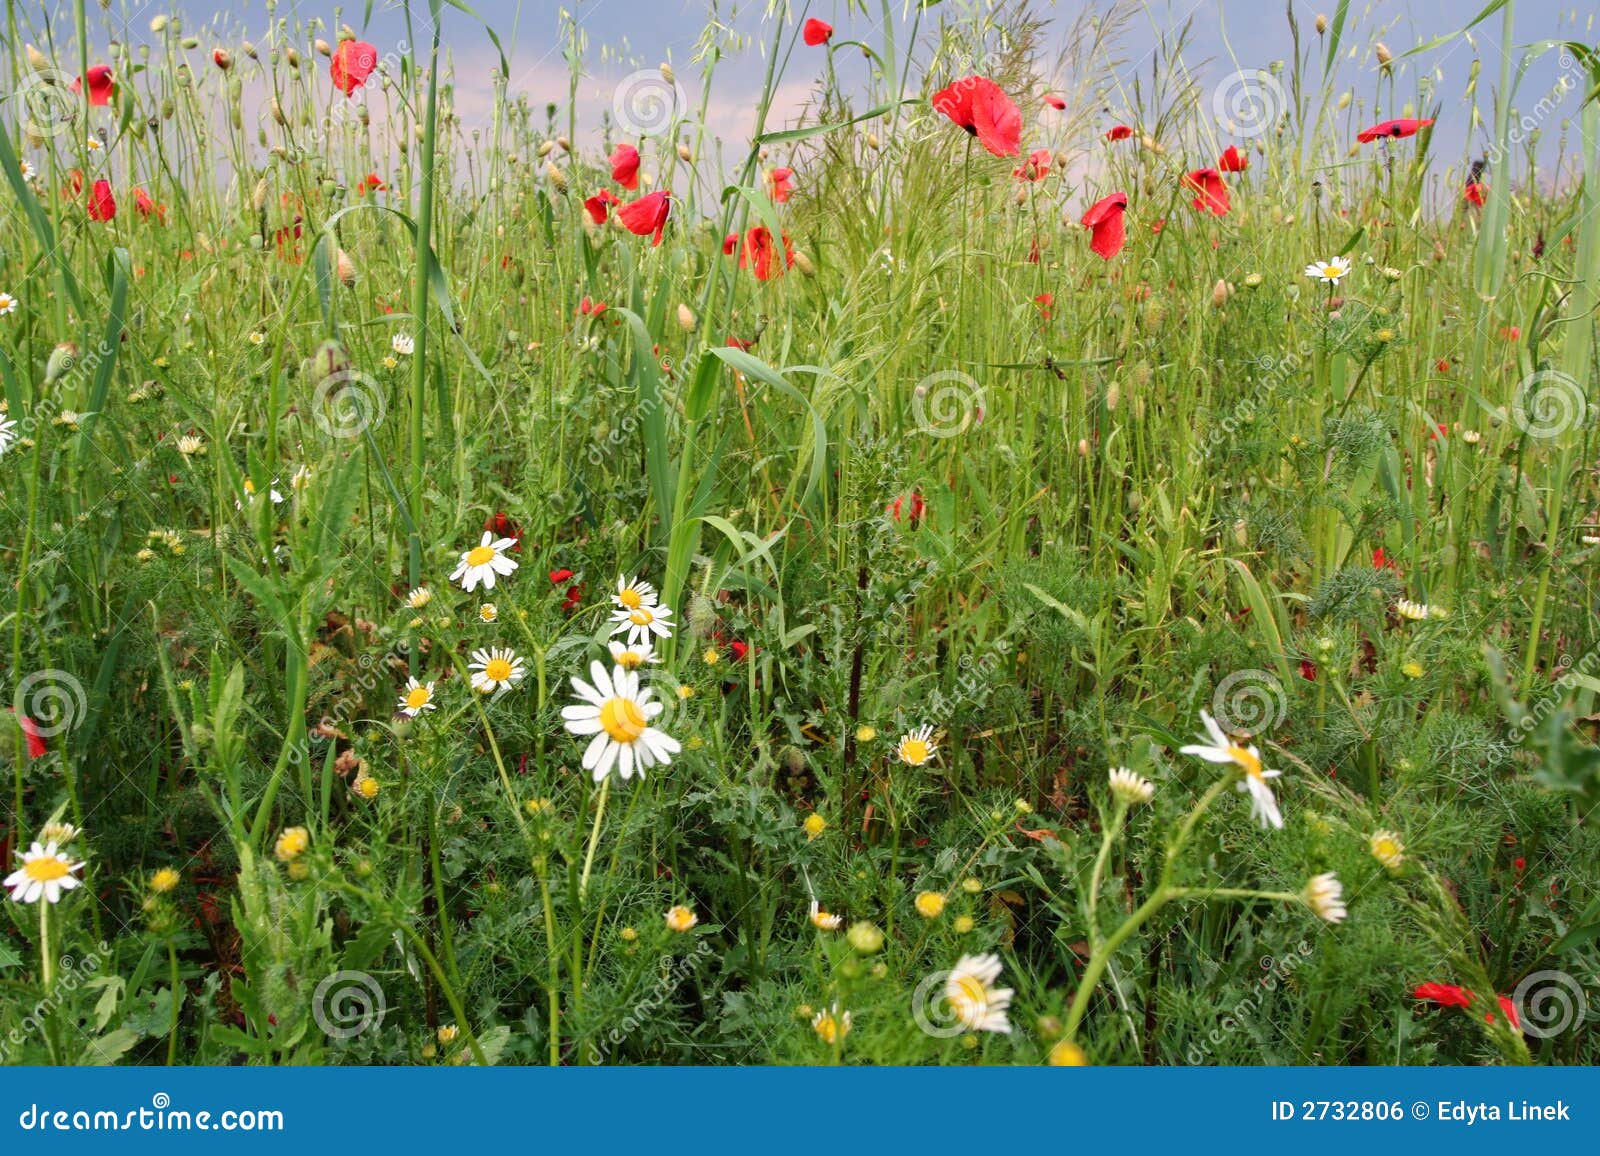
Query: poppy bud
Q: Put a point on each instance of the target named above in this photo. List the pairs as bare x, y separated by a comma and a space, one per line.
686, 318
1322, 23
1381, 51
873, 142
346, 32
346, 268
667, 74
1253, 281
189, 43
158, 24
293, 56
1220, 292
546, 148
684, 154
1022, 196
323, 47
1345, 98
1083, 447
36, 60
564, 144
220, 57
62, 358
249, 50
555, 176
803, 263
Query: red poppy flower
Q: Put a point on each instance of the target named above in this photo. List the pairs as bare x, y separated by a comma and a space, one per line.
1104, 218
1158, 225
574, 597
735, 343
351, 64
371, 183
913, 508
1119, 132
1392, 128
502, 526
739, 649
102, 82
1035, 168
815, 32
1233, 161
147, 208
978, 105
1511, 333
625, 166
1044, 301
287, 240
1520, 864
30, 732
557, 577
758, 253
599, 205
1442, 365
102, 205
1058, 103
1445, 994
729, 244
780, 183
1213, 192
1476, 193
647, 215
1308, 670
1510, 1009
1380, 560
591, 308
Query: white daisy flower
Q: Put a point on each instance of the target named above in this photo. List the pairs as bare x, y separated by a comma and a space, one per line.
93, 144
417, 698
59, 833
250, 494
617, 712
189, 445
1131, 788
633, 593
1325, 895
28, 171
1387, 848
831, 1024
484, 562
641, 622
632, 657
1222, 749
419, 598
973, 998
8, 304
916, 747
403, 344
1412, 611
1331, 271
495, 669
8, 434
823, 920
488, 612
45, 873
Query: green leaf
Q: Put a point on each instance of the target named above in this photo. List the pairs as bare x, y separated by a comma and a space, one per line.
790, 135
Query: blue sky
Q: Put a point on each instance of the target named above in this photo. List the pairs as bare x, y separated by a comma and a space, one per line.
625, 35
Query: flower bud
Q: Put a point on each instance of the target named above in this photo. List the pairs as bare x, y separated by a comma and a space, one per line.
221, 58
667, 74
1322, 23
323, 47
686, 318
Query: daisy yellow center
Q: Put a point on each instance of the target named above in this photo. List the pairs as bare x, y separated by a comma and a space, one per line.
970, 993
828, 1029
1386, 848
630, 598
1250, 763
630, 660
497, 670
914, 751
249, 486
418, 697
45, 870
1331, 271
622, 719
480, 555
641, 616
